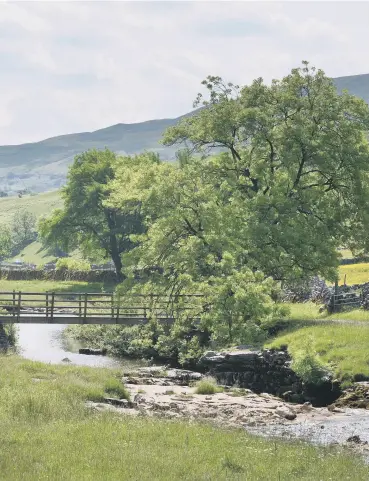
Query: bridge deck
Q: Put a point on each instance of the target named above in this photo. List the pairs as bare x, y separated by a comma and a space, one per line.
93, 308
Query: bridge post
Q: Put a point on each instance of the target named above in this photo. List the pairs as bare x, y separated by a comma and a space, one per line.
80, 305
47, 305
118, 306
19, 304
112, 306
13, 302
52, 306
85, 309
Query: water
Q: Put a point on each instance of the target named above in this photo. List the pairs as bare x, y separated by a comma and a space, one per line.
44, 342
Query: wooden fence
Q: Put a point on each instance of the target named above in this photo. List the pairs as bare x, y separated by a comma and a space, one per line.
95, 308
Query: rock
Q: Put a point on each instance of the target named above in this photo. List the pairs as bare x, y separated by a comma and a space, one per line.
307, 407
66, 359
286, 413
183, 375
356, 439
123, 403
93, 352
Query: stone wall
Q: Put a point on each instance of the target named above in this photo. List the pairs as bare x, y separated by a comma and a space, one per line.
266, 371
59, 275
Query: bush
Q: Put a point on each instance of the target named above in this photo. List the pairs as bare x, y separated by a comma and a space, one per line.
66, 263
208, 385
307, 364
114, 387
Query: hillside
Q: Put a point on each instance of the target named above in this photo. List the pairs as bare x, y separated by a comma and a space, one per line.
41, 204
42, 166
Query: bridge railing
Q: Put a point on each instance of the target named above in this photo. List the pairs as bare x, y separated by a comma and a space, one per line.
96, 308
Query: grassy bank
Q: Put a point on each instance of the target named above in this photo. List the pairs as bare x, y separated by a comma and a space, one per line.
309, 311
47, 433
344, 348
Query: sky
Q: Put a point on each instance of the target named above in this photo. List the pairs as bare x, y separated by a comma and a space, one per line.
69, 67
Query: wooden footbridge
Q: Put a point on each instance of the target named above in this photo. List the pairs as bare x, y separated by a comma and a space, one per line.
94, 308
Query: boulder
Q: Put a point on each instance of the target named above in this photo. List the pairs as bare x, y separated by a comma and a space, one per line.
92, 352
286, 413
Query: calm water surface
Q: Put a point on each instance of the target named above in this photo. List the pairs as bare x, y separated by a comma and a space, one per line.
44, 342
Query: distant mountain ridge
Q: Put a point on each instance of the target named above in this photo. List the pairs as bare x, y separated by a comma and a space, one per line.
43, 165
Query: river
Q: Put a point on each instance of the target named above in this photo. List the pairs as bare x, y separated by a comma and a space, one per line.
40, 342
44, 342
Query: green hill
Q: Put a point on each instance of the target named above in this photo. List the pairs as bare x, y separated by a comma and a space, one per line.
42, 166
41, 204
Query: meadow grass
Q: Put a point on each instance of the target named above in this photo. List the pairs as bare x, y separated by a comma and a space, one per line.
47, 433
56, 286
34, 253
355, 273
308, 311
344, 348
40, 204
207, 385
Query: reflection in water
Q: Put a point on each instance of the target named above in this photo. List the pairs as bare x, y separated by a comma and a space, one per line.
43, 342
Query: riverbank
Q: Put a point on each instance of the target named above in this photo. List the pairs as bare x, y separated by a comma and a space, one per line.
48, 432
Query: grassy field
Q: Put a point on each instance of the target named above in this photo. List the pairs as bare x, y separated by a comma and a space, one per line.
344, 348
41, 204
355, 273
56, 286
46, 433
308, 311
34, 254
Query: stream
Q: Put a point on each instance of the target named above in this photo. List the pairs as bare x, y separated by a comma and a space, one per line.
44, 342
40, 342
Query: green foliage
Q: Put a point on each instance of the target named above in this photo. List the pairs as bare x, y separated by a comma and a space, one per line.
6, 242
308, 365
290, 187
67, 263
207, 385
114, 387
86, 221
23, 228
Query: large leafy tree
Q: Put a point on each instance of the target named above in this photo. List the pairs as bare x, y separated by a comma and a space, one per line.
295, 165
288, 188
85, 221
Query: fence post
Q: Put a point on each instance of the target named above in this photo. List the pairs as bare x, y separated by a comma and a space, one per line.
85, 309
13, 302
334, 295
47, 306
52, 306
19, 304
112, 306
118, 306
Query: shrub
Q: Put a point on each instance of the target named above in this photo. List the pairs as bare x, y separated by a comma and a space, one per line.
308, 365
208, 385
114, 387
66, 263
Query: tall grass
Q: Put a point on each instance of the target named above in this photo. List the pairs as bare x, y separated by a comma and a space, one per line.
207, 385
344, 348
46, 433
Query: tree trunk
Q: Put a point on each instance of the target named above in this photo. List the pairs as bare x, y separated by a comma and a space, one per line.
113, 243
115, 256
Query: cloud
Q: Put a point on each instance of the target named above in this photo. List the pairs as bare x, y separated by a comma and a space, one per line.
79, 66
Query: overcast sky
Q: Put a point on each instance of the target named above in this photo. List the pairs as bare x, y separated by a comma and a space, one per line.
79, 66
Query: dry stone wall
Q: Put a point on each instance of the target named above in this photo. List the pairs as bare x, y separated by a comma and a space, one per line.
266, 371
